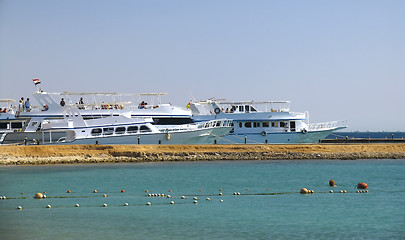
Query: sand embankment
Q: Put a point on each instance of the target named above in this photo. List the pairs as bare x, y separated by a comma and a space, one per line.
65, 154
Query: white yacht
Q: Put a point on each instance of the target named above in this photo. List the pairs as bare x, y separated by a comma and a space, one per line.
123, 129
264, 122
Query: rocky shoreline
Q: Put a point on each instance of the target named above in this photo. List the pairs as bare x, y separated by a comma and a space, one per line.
78, 154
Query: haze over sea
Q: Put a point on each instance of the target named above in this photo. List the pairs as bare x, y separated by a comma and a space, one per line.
255, 214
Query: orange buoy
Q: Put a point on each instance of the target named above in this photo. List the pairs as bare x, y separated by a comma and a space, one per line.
68, 191
38, 196
44, 192
122, 190
332, 183
267, 189
220, 190
146, 191
304, 191
200, 190
95, 191
170, 190
22, 193
362, 185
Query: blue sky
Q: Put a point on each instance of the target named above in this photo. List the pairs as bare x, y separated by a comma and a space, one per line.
339, 60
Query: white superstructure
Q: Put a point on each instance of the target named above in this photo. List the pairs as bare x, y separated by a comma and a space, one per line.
123, 129
264, 122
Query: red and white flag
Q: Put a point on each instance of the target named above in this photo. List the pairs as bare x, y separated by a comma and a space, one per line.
36, 81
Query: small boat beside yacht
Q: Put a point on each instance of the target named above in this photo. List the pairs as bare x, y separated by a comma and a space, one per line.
123, 129
264, 122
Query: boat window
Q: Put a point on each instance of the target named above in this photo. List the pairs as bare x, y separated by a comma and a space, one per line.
265, 124
256, 124
3, 125
132, 129
233, 109
248, 124
145, 129
240, 108
247, 108
120, 130
240, 125
274, 124
96, 132
252, 109
108, 131
16, 125
282, 124
33, 124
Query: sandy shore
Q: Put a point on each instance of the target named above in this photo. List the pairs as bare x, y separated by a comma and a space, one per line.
67, 154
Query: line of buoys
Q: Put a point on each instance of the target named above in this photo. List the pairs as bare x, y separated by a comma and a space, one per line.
362, 191
3, 197
306, 191
156, 195
236, 193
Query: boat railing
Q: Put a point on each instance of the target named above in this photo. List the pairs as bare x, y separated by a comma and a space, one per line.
200, 125
327, 125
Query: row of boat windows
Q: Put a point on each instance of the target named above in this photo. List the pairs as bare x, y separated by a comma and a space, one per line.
119, 130
264, 124
5, 125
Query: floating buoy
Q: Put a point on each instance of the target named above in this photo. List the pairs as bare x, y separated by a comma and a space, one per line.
19, 207
362, 185
22, 193
341, 191
171, 202
44, 192
77, 205
200, 190
126, 204
220, 194
170, 190
183, 197
48, 206
146, 191
344, 191
44, 196
38, 195
195, 198
105, 195
304, 191
208, 199
247, 189
220, 189
105, 205
235, 193
1, 197
68, 191
331, 191
195, 201
221, 200
95, 191
148, 203
122, 190
267, 189
366, 191
4, 198
332, 183
168, 196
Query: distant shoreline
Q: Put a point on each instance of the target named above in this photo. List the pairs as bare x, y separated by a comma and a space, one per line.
75, 154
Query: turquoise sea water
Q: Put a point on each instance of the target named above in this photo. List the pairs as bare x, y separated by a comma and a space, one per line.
255, 214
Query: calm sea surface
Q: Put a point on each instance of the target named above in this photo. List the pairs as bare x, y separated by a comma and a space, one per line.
255, 214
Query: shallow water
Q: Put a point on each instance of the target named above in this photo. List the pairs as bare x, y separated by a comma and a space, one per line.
255, 214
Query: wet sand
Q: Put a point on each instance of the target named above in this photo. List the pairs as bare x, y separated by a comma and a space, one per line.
71, 154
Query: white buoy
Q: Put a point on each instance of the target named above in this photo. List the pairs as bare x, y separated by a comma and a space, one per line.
19, 207
171, 202
44, 196
238, 193
195, 201
150, 195
105, 195
235, 193
49, 206
208, 199
77, 205
105, 205
183, 197
1, 197
126, 204
168, 196
195, 198
331, 191
221, 200
341, 191
148, 203
220, 194
4, 198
